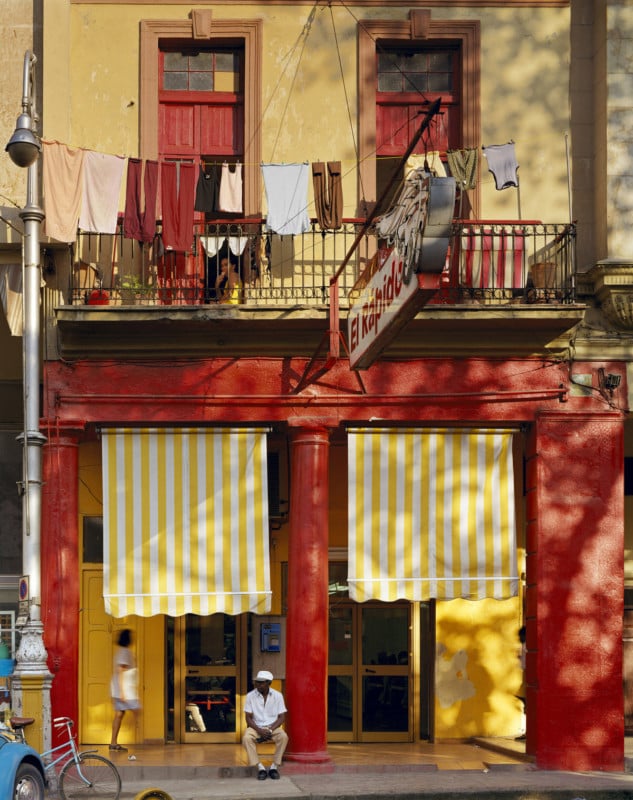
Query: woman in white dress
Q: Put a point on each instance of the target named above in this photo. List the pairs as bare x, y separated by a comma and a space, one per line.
124, 685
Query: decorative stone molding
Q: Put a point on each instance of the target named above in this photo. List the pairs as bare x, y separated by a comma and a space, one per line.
201, 19
611, 282
420, 23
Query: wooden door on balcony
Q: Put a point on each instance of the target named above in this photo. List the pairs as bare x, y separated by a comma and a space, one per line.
409, 78
201, 120
201, 102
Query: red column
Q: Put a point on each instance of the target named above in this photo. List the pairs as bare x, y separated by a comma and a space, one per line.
574, 600
60, 569
307, 621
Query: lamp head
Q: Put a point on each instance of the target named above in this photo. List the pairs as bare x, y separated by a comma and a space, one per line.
23, 147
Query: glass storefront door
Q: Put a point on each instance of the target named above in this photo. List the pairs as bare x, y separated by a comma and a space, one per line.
369, 674
208, 670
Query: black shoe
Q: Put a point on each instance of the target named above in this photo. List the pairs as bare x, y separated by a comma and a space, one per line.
262, 775
272, 773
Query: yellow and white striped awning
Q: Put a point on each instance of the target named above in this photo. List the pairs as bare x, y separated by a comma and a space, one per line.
185, 521
431, 514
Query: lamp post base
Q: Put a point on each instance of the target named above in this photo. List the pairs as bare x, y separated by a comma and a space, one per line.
31, 684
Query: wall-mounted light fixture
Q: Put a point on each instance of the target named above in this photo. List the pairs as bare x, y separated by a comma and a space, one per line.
608, 381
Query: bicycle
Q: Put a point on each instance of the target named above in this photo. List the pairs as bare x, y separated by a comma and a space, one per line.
83, 775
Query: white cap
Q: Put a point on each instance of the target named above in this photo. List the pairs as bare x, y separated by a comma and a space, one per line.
263, 675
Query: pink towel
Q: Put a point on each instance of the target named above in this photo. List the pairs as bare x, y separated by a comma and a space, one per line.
231, 189
62, 184
102, 178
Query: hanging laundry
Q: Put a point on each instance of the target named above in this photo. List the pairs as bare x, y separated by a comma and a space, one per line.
231, 189
208, 191
62, 183
502, 163
431, 162
212, 244
328, 198
102, 178
178, 189
11, 296
463, 166
287, 198
137, 224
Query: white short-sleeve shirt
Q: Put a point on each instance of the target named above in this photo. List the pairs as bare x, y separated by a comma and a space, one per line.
265, 710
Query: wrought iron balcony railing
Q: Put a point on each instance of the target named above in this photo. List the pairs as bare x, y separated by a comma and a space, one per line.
488, 262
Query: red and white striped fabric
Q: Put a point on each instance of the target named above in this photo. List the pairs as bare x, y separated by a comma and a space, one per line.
493, 257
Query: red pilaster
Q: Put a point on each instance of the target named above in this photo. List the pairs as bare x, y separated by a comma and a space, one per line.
60, 569
307, 622
574, 603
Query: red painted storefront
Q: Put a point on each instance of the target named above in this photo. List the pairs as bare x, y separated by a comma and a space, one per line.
574, 509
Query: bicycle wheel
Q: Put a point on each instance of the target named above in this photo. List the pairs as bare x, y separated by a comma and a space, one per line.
92, 777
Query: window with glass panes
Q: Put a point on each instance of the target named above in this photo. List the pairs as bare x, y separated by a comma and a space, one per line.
415, 71
216, 70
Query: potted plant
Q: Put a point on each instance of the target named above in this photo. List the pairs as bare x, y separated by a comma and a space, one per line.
132, 288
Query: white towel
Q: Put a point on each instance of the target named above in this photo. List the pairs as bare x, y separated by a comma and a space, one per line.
287, 198
102, 178
212, 244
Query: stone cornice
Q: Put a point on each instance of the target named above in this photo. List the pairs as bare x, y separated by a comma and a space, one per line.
611, 283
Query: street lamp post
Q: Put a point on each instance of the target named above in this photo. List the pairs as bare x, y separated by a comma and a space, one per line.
31, 679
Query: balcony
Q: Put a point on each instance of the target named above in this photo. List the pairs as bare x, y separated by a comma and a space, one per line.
123, 298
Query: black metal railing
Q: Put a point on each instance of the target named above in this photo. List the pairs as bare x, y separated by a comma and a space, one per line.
500, 262
509, 262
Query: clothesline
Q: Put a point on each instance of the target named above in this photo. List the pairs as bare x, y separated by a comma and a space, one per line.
82, 189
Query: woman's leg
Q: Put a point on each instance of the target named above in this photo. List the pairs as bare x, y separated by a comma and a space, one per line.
116, 726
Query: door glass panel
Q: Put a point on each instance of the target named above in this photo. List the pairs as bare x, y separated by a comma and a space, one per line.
385, 703
210, 704
385, 669
339, 703
210, 675
386, 635
210, 640
340, 635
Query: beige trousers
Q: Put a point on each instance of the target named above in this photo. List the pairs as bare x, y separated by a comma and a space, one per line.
280, 738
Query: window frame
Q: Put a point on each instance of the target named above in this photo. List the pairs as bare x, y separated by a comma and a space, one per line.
370, 32
153, 32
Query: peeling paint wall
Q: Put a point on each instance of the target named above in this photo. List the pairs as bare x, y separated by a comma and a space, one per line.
478, 673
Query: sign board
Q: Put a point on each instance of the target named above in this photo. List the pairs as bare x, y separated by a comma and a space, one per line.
385, 304
23, 602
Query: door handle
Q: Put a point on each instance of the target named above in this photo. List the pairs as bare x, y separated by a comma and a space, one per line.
193, 672
373, 671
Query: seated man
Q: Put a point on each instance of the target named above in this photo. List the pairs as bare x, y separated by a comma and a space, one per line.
265, 713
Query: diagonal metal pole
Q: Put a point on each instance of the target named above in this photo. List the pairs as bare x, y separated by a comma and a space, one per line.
334, 333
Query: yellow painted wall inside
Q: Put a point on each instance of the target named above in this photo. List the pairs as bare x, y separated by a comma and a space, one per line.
98, 632
338, 495
478, 674
92, 92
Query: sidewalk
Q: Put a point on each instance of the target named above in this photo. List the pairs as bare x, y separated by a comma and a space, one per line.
492, 780
494, 769
494, 784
